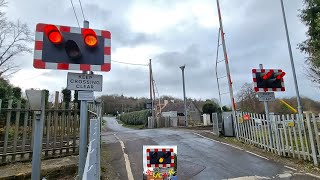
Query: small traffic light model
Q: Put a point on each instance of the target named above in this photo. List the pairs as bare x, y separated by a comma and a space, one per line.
72, 48
268, 80
160, 158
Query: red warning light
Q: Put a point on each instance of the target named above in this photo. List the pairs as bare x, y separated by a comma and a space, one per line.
90, 38
281, 75
267, 76
53, 34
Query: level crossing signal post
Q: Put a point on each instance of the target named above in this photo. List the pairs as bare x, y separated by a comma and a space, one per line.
72, 48
266, 82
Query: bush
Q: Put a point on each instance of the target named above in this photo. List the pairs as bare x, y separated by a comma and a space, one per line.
135, 118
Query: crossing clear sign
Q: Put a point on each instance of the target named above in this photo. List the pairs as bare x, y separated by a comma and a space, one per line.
266, 96
84, 82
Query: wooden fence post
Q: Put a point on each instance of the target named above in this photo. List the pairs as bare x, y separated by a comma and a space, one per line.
75, 125
68, 121
62, 125
33, 120
24, 135
55, 120
6, 136
16, 131
48, 127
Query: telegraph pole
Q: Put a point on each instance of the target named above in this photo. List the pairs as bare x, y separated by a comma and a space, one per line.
184, 96
300, 111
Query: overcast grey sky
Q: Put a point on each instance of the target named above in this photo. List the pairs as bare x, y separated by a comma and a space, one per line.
173, 33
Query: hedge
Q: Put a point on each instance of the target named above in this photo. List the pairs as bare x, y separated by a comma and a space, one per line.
135, 118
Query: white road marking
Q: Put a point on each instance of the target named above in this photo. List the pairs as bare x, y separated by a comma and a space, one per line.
247, 178
257, 155
206, 137
231, 146
281, 176
218, 141
285, 175
291, 168
126, 159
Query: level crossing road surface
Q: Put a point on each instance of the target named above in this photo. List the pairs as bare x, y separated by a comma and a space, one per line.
198, 158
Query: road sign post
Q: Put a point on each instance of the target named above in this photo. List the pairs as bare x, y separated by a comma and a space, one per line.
266, 109
72, 48
36, 100
266, 81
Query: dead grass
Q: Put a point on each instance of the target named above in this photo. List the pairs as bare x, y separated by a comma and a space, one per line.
60, 168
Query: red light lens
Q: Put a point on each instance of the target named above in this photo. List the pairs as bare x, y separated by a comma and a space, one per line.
90, 37
53, 34
55, 37
281, 75
91, 40
265, 77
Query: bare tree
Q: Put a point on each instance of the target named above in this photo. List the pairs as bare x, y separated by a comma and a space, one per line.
15, 38
248, 100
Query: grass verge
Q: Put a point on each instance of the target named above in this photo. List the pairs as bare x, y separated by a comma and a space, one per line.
142, 126
104, 122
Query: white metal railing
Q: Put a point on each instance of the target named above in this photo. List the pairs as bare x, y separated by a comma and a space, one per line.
290, 135
92, 166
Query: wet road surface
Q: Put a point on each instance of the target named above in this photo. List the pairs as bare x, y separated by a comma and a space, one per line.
198, 158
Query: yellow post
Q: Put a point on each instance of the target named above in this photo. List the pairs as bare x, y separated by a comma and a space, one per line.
290, 107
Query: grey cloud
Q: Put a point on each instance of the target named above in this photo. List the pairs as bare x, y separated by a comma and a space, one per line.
173, 59
114, 21
254, 34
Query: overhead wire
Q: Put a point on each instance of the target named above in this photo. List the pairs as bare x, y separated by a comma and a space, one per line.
82, 10
44, 73
129, 63
38, 75
75, 14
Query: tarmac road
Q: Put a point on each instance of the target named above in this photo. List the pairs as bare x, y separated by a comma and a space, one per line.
198, 158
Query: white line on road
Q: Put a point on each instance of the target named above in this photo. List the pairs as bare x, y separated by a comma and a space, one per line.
231, 146
291, 168
205, 137
126, 159
218, 141
257, 155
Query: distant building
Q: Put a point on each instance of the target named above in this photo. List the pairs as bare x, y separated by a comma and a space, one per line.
176, 111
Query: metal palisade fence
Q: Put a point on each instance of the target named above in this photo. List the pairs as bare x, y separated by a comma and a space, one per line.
92, 166
285, 135
60, 131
